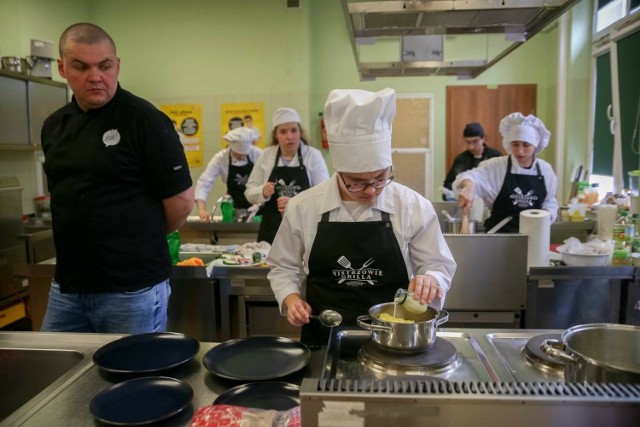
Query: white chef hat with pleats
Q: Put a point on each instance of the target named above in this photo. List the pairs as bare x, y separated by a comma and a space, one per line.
285, 115
517, 127
240, 140
358, 125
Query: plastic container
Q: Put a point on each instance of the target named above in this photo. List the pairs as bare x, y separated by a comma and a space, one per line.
412, 305
634, 183
577, 211
173, 240
226, 207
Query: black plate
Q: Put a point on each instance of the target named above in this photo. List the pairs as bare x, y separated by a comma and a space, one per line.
146, 353
269, 395
257, 358
141, 401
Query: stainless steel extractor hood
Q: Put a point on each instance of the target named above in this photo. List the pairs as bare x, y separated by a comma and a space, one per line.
442, 37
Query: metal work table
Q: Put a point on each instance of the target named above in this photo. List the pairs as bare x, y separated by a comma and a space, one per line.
219, 232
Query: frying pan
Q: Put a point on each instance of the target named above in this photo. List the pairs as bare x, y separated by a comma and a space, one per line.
257, 358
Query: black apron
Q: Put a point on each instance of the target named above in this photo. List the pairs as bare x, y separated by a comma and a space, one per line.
518, 193
352, 267
289, 182
237, 182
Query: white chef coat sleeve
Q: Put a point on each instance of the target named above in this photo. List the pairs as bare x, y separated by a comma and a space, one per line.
286, 256
317, 167
217, 166
428, 250
488, 178
551, 183
259, 176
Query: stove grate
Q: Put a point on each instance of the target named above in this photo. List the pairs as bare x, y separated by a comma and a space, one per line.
442, 387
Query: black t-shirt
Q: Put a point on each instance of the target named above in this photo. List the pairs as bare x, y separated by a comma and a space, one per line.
465, 161
108, 171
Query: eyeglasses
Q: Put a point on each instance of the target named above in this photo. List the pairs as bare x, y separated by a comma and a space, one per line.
377, 184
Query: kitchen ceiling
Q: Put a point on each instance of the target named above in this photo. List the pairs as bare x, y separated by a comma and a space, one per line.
395, 38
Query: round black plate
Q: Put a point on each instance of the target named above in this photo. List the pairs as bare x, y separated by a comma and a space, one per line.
141, 401
146, 353
268, 395
257, 358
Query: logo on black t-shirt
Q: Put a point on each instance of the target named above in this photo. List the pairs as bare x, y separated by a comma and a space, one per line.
111, 137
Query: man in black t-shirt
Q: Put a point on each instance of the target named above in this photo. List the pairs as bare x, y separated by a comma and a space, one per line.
476, 152
119, 182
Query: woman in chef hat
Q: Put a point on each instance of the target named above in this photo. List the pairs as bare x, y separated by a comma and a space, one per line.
285, 168
233, 164
515, 182
358, 237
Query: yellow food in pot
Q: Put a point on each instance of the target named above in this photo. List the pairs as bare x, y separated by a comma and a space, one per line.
386, 317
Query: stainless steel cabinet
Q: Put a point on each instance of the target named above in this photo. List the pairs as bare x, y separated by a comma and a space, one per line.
14, 124
44, 99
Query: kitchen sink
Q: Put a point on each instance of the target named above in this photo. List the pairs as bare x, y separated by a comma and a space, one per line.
35, 366
27, 372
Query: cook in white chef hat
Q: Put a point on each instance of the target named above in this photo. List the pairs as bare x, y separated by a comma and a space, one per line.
285, 115
530, 129
358, 125
240, 140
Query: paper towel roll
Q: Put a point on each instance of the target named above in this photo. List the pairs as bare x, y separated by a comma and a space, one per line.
606, 215
536, 223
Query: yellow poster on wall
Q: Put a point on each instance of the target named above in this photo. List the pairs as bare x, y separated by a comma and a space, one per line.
248, 114
187, 119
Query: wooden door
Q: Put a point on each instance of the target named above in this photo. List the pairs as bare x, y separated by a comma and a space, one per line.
486, 105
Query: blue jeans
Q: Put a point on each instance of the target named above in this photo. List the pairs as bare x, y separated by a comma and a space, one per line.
133, 312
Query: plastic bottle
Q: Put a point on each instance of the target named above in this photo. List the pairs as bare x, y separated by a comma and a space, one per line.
226, 206
406, 299
173, 240
623, 233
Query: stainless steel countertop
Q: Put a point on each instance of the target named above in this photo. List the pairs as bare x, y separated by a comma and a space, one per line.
66, 402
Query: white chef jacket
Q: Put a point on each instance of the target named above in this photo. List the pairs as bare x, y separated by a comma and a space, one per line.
311, 157
414, 222
488, 178
219, 166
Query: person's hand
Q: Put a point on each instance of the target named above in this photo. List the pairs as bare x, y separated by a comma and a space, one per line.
466, 195
268, 190
204, 215
282, 203
425, 288
298, 311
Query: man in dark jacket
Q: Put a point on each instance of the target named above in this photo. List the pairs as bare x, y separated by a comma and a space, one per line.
478, 151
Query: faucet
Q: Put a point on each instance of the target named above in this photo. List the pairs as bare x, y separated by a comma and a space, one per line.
215, 207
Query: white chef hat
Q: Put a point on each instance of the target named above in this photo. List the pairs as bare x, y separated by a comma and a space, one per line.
285, 115
240, 140
516, 127
358, 125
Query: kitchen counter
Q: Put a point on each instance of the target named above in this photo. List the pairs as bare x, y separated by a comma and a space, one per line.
219, 233
66, 401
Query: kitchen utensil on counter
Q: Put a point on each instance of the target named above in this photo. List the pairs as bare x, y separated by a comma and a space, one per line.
403, 337
15, 64
328, 318
455, 225
152, 352
598, 352
277, 357
499, 225
447, 215
141, 401
268, 395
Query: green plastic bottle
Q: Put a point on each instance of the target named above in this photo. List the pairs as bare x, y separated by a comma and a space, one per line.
173, 240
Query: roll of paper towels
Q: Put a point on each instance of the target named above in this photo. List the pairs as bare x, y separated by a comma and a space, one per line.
607, 215
536, 223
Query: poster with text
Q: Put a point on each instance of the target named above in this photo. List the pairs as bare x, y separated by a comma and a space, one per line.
187, 119
248, 114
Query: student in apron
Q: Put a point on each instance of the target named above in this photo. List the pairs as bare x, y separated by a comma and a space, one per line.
287, 167
234, 165
516, 182
350, 242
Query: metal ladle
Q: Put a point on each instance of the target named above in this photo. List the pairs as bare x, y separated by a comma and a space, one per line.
328, 318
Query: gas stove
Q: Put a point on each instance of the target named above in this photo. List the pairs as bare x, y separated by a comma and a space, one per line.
468, 376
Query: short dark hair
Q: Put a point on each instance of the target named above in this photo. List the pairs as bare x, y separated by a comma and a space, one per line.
248, 116
85, 33
473, 129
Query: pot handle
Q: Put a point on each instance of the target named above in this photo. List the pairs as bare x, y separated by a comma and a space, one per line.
551, 348
362, 322
443, 316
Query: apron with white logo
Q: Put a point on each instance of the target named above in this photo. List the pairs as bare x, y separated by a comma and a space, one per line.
289, 182
237, 182
352, 267
518, 193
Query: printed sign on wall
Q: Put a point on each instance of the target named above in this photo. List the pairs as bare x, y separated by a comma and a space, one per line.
187, 119
248, 114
